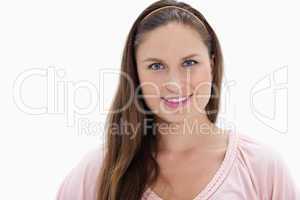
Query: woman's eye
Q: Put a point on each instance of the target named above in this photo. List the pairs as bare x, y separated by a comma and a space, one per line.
155, 66
189, 62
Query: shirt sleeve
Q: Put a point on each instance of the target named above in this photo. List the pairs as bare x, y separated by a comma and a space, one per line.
80, 182
281, 183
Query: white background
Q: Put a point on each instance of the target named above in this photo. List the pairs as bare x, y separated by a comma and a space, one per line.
79, 38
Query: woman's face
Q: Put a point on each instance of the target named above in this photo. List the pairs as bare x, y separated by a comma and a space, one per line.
173, 61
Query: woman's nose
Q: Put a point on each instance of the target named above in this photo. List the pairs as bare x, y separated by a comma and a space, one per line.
175, 83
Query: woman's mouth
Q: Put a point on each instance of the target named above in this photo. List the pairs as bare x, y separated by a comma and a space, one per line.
174, 102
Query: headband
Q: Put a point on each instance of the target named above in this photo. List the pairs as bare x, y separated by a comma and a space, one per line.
180, 8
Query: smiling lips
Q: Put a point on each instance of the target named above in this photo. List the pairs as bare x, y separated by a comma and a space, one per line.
174, 102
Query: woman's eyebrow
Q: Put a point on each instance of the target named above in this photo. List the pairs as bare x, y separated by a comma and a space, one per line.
190, 56
160, 60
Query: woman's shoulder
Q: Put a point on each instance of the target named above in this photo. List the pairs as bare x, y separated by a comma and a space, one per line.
266, 166
255, 153
255, 149
80, 182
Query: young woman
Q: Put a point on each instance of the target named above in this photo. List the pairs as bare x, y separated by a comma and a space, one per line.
170, 98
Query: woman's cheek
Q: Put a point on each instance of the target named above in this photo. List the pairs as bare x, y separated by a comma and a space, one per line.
202, 91
151, 96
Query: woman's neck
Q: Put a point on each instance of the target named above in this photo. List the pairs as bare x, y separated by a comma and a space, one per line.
189, 135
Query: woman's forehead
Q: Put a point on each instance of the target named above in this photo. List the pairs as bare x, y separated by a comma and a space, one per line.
171, 38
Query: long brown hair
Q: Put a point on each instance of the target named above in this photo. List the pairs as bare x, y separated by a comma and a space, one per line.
129, 165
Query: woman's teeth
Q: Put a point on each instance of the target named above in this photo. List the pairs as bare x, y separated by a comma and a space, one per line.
177, 99
174, 102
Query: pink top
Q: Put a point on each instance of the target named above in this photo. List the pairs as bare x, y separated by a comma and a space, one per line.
250, 170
